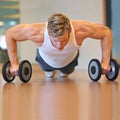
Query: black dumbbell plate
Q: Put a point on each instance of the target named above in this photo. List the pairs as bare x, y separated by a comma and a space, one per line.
25, 71
113, 74
7, 76
94, 70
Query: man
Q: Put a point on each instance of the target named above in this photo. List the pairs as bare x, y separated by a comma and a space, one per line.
58, 41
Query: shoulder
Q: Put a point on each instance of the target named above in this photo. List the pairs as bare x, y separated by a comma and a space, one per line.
26, 28
84, 23
87, 26
24, 31
21, 27
80, 22
37, 25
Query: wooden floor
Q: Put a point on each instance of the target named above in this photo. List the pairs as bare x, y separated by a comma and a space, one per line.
75, 98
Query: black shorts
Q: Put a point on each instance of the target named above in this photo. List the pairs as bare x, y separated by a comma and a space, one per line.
66, 70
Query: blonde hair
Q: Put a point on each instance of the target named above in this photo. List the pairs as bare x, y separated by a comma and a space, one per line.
58, 24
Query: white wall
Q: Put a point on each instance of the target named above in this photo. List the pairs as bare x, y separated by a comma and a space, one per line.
39, 10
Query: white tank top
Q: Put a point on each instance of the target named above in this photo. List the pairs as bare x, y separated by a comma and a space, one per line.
58, 58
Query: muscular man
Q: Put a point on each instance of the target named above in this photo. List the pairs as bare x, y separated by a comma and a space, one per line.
58, 41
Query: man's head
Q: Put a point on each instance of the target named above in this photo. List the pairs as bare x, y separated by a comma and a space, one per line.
59, 30
58, 24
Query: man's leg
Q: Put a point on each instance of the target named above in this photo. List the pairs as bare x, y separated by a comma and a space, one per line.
49, 71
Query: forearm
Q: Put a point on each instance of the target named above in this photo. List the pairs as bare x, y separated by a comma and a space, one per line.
12, 50
12, 53
106, 45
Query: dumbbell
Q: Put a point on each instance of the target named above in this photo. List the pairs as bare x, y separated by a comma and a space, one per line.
24, 71
95, 70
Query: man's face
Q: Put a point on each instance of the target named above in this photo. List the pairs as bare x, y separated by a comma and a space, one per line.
60, 41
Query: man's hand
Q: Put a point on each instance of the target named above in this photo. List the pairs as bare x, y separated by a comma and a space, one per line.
14, 70
105, 68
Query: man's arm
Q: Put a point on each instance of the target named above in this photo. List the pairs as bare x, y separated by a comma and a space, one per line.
106, 46
12, 50
85, 29
103, 33
22, 32
13, 35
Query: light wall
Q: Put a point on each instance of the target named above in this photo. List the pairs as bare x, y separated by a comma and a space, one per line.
38, 11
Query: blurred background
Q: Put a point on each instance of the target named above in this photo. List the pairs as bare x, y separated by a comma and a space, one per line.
13, 12
9, 16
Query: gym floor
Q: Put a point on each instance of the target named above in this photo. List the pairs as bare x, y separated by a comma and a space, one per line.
74, 98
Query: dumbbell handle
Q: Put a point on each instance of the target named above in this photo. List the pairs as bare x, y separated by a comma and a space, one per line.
14, 73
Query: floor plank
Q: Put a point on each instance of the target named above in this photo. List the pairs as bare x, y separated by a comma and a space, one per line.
74, 98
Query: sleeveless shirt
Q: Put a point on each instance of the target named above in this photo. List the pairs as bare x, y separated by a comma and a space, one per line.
55, 57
